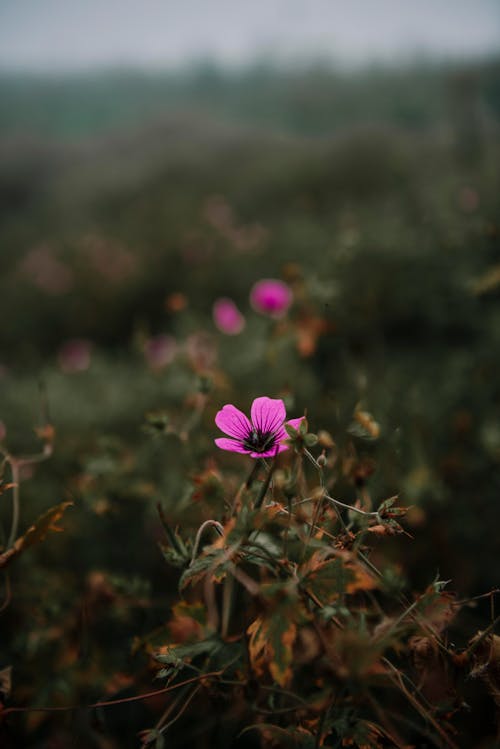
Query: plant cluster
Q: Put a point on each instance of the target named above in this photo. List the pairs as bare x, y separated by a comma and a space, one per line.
289, 631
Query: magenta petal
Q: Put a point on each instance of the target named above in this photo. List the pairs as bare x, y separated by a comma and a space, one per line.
268, 414
228, 444
227, 316
270, 453
271, 297
295, 423
232, 421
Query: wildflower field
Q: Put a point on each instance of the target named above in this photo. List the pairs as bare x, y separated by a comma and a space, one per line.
249, 370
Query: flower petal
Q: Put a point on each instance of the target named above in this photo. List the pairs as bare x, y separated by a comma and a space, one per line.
271, 296
232, 421
295, 423
268, 414
225, 443
270, 453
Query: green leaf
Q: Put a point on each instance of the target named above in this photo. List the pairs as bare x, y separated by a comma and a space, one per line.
387, 509
213, 560
177, 655
328, 580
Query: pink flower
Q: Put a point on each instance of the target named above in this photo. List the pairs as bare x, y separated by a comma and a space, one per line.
263, 436
227, 316
271, 297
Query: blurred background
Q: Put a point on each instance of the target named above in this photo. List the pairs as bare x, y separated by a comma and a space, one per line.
157, 157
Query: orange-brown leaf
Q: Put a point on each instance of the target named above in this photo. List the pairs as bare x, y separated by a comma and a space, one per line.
36, 533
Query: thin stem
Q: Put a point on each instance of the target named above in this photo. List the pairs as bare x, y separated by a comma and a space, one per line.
109, 703
351, 507
466, 601
400, 619
14, 467
172, 538
265, 485
245, 486
215, 524
168, 711
8, 593
319, 502
319, 468
472, 647
227, 604
182, 710
398, 680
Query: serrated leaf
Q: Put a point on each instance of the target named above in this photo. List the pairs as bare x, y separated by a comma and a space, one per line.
176, 655
173, 557
387, 509
387, 528
195, 611
329, 579
386, 504
271, 645
212, 559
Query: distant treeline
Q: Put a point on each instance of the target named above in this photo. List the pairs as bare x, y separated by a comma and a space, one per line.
312, 101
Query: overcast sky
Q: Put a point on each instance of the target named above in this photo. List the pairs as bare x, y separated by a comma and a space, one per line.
75, 34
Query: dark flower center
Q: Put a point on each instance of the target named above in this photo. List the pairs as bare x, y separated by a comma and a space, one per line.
259, 442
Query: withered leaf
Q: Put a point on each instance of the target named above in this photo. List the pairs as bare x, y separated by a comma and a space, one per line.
333, 577
364, 425
271, 645
36, 533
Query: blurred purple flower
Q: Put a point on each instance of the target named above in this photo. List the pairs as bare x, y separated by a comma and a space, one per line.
160, 351
227, 316
74, 355
262, 437
3, 431
271, 297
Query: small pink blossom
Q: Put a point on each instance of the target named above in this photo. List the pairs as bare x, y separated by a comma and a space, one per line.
271, 297
74, 355
160, 351
262, 435
227, 316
